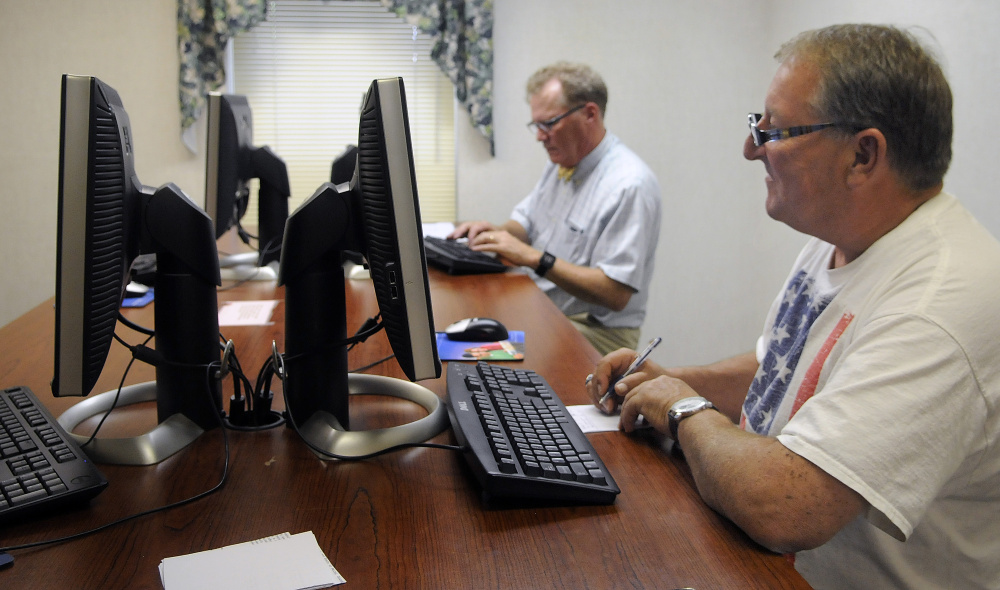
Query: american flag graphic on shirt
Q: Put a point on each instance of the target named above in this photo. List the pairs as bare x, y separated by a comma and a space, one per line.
800, 307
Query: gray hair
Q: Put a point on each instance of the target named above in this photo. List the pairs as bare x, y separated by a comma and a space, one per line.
882, 77
580, 84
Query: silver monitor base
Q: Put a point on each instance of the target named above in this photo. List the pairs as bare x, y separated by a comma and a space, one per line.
243, 267
165, 439
324, 431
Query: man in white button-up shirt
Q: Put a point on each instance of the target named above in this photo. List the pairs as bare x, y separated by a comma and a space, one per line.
589, 228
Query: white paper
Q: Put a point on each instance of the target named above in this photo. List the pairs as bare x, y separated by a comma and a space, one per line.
440, 229
279, 562
590, 419
246, 313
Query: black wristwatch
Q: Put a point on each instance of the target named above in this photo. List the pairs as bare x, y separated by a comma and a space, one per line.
683, 408
545, 264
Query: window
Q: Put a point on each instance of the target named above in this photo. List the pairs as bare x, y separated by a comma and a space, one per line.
305, 71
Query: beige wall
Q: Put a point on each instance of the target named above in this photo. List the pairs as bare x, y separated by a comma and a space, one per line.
131, 45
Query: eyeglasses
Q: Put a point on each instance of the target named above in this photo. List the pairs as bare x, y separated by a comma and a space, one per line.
546, 126
762, 136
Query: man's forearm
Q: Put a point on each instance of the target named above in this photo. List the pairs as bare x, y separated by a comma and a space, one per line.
781, 500
590, 285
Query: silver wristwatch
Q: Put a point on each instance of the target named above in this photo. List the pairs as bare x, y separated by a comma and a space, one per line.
683, 408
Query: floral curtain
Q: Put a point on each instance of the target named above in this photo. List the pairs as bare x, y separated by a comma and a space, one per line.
203, 29
462, 31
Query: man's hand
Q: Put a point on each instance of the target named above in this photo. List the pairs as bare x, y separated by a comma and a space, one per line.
471, 229
608, 369
506, 246
653, 399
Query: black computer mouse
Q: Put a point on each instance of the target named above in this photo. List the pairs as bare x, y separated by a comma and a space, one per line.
476, 330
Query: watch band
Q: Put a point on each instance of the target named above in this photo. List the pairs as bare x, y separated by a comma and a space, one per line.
546, 263
685, 408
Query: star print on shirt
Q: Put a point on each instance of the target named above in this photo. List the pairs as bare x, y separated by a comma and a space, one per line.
800, 307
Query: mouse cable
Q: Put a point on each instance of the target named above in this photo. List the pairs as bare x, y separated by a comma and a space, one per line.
178, 504
370, 365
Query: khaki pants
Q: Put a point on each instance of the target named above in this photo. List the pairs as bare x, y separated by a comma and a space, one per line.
604, 339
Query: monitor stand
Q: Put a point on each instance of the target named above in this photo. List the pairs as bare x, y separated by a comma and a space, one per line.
243, 267
165, 439
323, 431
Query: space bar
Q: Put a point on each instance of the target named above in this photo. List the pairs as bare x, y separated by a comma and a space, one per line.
15, 500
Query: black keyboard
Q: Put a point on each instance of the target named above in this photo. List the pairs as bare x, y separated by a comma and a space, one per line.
520, 440
456, 257
42, 469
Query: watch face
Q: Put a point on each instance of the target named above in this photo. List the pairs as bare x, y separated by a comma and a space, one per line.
686, 405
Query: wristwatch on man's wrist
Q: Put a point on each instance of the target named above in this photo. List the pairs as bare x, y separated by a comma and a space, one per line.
546, 263
683, 408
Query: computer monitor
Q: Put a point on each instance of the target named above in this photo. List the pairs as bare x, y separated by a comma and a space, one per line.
341, 172
106, 219
344, 165
231, 161
378, 214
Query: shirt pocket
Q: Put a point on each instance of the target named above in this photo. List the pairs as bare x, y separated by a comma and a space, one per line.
573, 238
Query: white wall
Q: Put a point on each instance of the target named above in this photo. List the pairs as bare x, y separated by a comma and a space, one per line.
682, 76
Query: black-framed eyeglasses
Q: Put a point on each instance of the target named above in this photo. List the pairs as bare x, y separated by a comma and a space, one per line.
762, 136
547, 125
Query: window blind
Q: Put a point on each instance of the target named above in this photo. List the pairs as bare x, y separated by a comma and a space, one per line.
305, 71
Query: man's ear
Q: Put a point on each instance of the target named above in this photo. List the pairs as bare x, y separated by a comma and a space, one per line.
869, 154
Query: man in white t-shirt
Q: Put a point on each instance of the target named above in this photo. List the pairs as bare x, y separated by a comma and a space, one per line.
863, 434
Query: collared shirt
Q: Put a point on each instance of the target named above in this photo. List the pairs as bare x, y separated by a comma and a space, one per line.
606, 216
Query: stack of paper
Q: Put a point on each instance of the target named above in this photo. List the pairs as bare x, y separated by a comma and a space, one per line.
246, 313
281, 562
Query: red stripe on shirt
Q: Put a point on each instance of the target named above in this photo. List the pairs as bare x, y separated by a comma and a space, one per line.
809, 382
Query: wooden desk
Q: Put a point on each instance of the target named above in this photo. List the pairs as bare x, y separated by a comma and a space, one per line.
410, 519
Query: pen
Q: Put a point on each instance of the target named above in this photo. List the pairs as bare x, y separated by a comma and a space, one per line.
631, 369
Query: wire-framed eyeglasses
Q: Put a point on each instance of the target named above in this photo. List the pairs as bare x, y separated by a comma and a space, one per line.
547, 125
762, 136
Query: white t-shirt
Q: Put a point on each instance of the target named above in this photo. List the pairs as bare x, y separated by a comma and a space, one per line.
885, 373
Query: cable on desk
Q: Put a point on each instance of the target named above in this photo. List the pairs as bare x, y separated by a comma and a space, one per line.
369, 328
370, 365
275, 366
134, 326
196, 497
252, 412
118, 392
261, 415
400, 447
